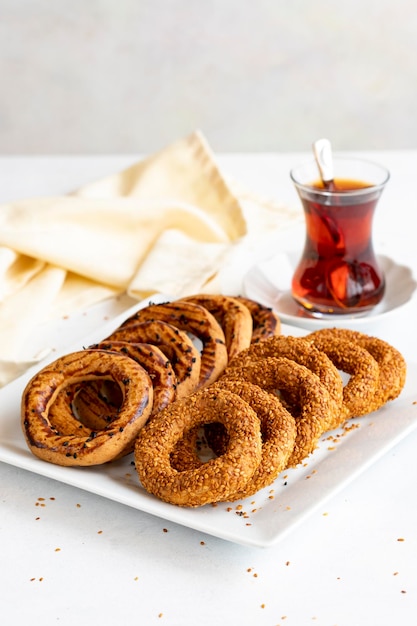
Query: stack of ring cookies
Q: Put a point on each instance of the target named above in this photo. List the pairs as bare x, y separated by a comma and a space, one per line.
213, 368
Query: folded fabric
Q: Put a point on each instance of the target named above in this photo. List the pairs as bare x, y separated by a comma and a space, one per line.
170, 223
106, 240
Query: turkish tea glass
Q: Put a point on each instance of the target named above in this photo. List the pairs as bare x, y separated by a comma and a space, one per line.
338, 273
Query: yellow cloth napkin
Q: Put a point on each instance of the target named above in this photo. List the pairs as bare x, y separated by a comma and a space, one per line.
170, 223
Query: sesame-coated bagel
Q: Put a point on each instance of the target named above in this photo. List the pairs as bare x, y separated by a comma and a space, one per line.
278, 432
217, 479
350, 358
302, 352
310, 403
391, 363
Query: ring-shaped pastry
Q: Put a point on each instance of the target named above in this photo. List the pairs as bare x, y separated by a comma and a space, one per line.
392, 365
234, 318
196, 320
311, 402
99, 446
218, 478
101, 401
177, 346
265, 322
302, 352
93, 405
350, 358
278, 431
153, 360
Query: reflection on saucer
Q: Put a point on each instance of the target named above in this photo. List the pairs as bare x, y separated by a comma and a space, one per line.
270, 284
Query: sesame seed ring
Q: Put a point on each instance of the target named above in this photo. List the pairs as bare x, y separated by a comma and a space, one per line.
392, 365
311, 402
350, 358
100, 446
302, 352
218, 478
174, 343
196, 320
234, 318
265, 321
278, 432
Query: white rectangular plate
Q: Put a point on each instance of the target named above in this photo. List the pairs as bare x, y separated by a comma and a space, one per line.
260, 520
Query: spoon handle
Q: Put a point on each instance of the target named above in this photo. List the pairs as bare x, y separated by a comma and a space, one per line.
323, 153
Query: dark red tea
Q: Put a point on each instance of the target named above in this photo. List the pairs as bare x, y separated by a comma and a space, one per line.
338, 271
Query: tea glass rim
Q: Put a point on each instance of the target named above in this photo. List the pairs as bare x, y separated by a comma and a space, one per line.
339, 159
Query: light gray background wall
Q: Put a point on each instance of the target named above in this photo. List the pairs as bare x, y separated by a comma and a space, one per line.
130, 76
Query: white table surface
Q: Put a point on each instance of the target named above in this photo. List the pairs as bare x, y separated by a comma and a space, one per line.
70, 557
